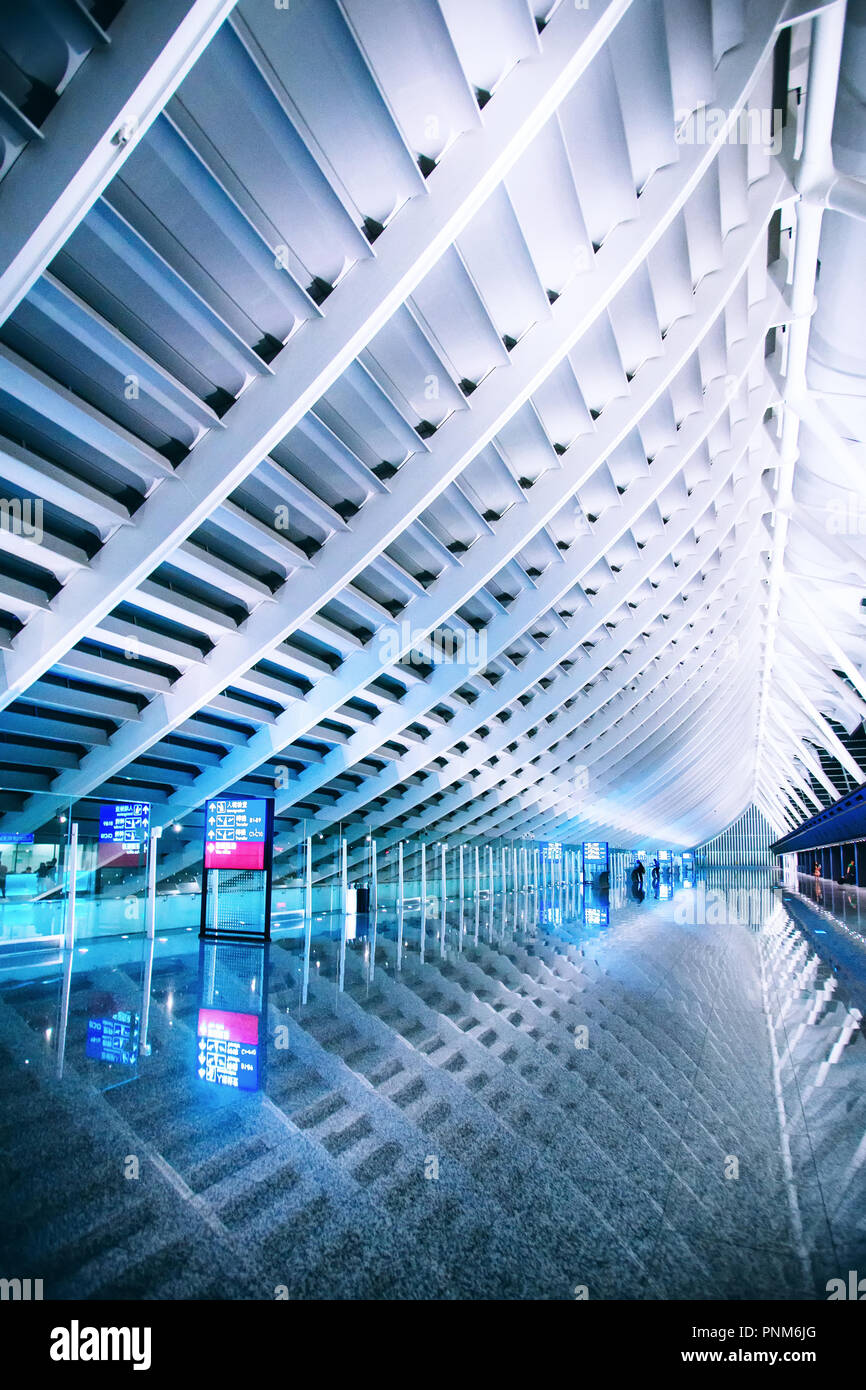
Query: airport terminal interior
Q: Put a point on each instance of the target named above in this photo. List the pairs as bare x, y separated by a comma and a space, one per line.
432, 649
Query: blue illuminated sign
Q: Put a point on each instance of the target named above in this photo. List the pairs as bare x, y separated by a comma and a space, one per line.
552, 852
113, 1039
595, 854
124, 823
15, 837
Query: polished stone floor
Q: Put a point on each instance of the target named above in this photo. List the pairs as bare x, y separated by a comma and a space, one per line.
619, 1099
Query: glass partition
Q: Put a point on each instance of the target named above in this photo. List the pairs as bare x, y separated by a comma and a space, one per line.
32, 883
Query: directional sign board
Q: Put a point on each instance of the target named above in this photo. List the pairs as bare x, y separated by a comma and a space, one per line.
235, 833
15, 837
595, 856
552, 852
228, 1049
123, 830
113, 1039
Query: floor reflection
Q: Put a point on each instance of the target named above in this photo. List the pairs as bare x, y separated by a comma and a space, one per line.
654, 1092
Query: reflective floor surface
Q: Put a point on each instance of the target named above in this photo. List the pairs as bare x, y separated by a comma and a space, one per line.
578, 1097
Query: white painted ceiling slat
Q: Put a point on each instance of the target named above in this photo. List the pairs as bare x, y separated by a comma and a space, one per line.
442, 318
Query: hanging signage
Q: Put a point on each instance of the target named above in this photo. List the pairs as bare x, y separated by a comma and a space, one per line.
123, 830
595, 855
113, 1039
228, 1049
15, 837
552, 852
235, 833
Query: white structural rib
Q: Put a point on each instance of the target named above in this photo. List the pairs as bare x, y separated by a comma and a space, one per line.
418, 236
454, 447
623, 487
93, 130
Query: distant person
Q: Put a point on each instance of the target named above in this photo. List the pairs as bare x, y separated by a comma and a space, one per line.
850, 873
656, 873
817, 869
640, 871
3, 873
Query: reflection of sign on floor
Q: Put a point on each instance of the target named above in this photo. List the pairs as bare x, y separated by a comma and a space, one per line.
235, 833
228, 1049
113, 1039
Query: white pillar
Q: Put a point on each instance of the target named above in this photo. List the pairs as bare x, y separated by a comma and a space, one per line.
150, 900
71, 887
444, 864
308, 876
374, 878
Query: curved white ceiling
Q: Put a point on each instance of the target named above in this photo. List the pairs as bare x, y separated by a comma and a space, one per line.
352, 324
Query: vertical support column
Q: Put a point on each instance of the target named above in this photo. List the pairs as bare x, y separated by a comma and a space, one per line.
374, 878
344, 928
71, 887
344, 874
460, 871
423, 936
400, 906
308, 877
443, 860
444, 897
504, 869
490, 870
477, 873
150, 901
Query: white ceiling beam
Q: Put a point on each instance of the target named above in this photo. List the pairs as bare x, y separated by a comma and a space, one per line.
93, 128
265, 412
